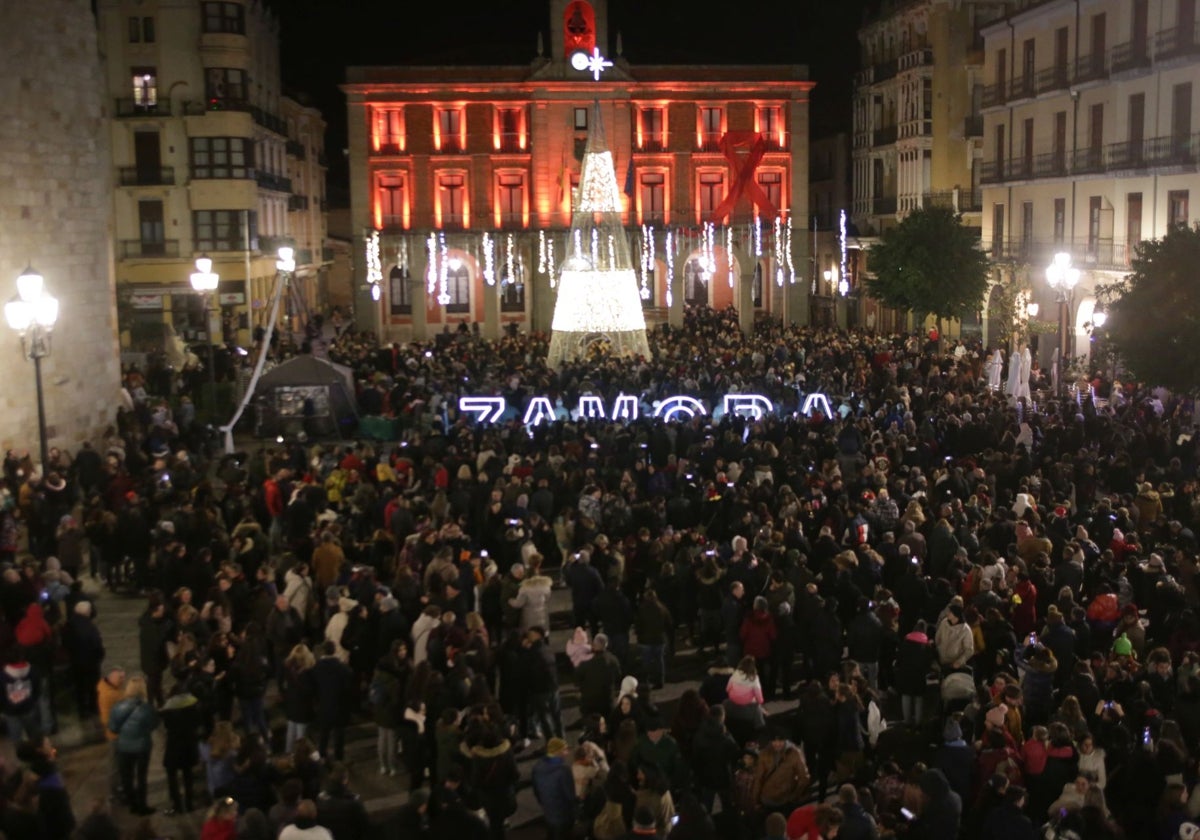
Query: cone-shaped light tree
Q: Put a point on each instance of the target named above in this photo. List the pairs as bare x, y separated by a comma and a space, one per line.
598, 297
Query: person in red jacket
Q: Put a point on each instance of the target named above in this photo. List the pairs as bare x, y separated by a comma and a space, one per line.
221, 823
814, 822
758, 633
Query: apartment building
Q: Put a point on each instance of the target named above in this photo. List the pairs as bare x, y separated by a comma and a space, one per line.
1090, 145
462, 180
209, 157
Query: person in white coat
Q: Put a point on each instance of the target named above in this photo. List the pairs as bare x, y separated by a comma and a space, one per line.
430, 618
533, 597
337, 625
995, 370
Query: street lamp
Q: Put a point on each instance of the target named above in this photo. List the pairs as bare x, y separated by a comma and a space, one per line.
33, 313
205, 282
831, 277
1063, 279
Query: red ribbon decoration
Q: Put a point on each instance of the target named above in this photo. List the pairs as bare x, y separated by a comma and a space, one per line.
744, 184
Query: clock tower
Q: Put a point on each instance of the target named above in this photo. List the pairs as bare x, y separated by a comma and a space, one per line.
577, 26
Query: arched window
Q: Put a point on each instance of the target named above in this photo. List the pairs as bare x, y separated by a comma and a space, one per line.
399, 296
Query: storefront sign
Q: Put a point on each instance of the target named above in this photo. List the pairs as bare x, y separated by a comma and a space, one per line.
232, 298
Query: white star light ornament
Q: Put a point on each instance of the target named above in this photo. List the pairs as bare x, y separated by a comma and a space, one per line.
594, 63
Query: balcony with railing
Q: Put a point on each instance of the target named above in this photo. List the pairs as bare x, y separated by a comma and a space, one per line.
1023, 87
994, 95
1091, 68
1176, 42
271, 181
128, 107
961, 201
916, 58
1050, 164
132, 249
296, 149
916, 128
512, 144
146, 176
1053, 78
1130, 55
884, 136
269, 121
1087, 161
1102, 254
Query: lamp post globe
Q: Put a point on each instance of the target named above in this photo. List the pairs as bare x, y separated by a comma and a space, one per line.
32, 314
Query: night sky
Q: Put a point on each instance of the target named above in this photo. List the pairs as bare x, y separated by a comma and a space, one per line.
321, 38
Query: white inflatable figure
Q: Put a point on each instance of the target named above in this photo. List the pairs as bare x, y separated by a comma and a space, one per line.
1014, 373
995, 370
1055, 372
1019, 371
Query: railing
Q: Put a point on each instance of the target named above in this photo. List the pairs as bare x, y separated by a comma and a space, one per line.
973, 126
1050, 164
269, 121
709, 143
1179, 150
1127, 155
883, 205
297, 202
1053, 78
916, 58
1023, 87
271, 181
994, 95
384, 149
222, 173
296, 149
142, 176
884, 136
127, 107
512, 221
1096, 254
137, 249
968, 200
1176, 41
916, 128
1086, 161
991, 171
510, 144
1089, 68
1130, 55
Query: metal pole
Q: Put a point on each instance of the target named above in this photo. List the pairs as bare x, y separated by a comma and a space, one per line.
41, 404
212, 363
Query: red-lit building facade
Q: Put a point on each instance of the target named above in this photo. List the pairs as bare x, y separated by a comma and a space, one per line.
466, 175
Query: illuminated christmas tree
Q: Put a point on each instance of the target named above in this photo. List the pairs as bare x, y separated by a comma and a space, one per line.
598, 296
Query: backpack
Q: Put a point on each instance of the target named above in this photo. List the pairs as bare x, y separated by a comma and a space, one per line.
377, 691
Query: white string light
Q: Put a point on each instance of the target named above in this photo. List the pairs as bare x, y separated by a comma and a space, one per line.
431, 260
578, 236
541, 252
670, 246
489, 259
777, 249
509, 247
842, 242
595, 248
553, 268
788, 253
729, 252
444, 295
757, 236
374, 265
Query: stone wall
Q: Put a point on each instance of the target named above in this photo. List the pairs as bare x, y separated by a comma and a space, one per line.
56, 214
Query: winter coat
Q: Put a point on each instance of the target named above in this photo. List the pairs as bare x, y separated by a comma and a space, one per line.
663, 754
597, 679
956, 760
912, 664
422, 627
299, 695
780, 778
653, 623
942, 814
757, 634
955, 643
554, 788
107, 696
21, 688
1007, 822
579, 647
152, 643
134, 721
714, 753
493, 774
613, 611
334, 682
181, 719
33, 630
533, 599
343, 814
743, 691
864, 637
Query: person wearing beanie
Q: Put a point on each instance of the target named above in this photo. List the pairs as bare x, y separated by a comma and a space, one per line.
554, 789
1122, 646
956, 758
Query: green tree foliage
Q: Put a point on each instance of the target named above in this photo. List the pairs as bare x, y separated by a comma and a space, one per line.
929, 263
1154, 314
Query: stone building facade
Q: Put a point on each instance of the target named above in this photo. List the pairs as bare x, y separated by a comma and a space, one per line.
56, 215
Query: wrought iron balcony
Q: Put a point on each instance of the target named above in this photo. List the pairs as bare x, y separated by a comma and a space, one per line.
139, 249
145, 176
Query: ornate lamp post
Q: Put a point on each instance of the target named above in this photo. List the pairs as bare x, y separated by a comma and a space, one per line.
205, 282
33, 313
1063, 279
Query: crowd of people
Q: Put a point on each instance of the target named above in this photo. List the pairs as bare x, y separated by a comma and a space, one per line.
937, 612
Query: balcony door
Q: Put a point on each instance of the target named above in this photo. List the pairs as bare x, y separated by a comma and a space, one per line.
151, 229
147, 156
1181, 120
